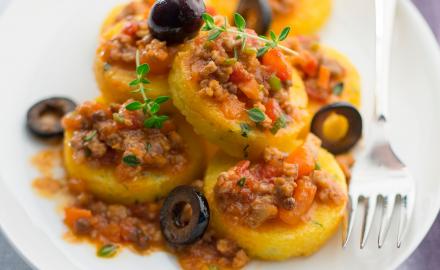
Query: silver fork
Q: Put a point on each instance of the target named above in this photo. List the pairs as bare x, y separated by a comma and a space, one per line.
379, 178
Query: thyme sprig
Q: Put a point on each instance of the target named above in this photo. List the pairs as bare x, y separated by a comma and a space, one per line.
149, 106
272, 42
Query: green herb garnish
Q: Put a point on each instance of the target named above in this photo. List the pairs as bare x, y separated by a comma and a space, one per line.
150, 107
149, 147
256, 115
240, 31
90, 136
317, 223
241, 182
317, 166
279, 124
213, 267
275, 83
118, 118
107, 251
338, 88
131, 160
107, 66
246, 151
245, 129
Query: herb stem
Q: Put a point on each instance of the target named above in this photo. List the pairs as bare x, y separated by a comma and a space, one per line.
284, 48
139, 77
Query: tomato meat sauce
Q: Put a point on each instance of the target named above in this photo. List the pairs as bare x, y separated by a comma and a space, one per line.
112, 136
279, 187
322, 76
232, 75
129, 33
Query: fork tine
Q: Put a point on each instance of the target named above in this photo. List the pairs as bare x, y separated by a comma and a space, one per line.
351, 214
387, 213
370, 208
405, 206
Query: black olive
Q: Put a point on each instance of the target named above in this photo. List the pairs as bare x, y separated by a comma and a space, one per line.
258, 14
354, 132
175, 228
44, 117
174, 21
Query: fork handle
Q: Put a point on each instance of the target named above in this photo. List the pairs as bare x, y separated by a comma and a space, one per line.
385, 14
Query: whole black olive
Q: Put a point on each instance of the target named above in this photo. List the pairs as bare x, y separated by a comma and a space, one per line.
258, 14
354, 131
184, 216
174, 21
44, 117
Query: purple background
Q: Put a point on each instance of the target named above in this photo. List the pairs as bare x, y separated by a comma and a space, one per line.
427, 255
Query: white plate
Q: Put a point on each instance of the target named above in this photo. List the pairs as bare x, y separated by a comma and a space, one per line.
47, 47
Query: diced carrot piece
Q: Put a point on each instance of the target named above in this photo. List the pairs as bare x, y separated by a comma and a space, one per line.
275, 60
250, 88
72, 214
324, 77
272, 109
304, 196
305, 160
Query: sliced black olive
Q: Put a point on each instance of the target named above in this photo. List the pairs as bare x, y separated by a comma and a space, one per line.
174, 21
351, 137
184, 216
257, 13
44, 117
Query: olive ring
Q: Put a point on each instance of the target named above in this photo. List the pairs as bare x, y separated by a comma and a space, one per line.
173, 230
353, 134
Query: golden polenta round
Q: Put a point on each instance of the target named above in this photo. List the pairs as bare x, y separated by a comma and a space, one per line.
150, 185
277, 240
209, 121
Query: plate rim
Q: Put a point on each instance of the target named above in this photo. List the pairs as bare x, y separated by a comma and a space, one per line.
35, 259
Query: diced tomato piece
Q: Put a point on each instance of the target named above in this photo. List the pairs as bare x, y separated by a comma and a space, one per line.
304, 195
232, 108
275, 60
130, 28
72, 214
242, 166
305, 160
309, 63
211, 10
239, 75
273, 109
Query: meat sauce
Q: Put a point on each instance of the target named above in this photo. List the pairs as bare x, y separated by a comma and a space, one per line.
280, 187
232, 75
322, 76
120, 48
112, 227
112, 136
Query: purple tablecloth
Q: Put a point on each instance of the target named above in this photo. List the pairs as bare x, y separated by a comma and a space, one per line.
427, 255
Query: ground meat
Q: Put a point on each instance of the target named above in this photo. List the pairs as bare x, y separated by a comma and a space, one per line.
212, 251
100, 140
253, 194
135, 35
114, 223
328, 190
